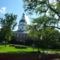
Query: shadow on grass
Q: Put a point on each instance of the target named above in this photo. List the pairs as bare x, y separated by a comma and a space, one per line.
29, 56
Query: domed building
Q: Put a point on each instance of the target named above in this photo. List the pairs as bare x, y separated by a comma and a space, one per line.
21, 34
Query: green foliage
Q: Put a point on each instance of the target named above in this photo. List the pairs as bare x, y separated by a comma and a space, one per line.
43, 29
48, 37
42, 6
7, 23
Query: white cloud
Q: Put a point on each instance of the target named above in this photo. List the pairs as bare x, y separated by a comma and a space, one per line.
52, 1
27, 19
3, 10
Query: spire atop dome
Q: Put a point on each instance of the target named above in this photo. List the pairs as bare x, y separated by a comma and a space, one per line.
23, 18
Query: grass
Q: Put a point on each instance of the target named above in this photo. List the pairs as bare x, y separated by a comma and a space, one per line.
8, 49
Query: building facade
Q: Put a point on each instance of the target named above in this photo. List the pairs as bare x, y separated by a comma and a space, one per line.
21, 34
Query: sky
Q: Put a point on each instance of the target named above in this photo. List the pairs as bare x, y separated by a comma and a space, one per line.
15, 7
12, 6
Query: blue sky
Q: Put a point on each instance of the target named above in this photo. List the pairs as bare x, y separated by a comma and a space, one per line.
11, 6
15, 7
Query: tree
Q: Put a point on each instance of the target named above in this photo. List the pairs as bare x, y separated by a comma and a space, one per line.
43, 7
44, 27
47, 37
8, 23
49, 12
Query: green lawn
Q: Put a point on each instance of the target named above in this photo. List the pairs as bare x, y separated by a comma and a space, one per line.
5, 49
8, 49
